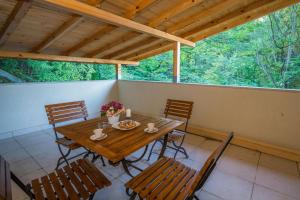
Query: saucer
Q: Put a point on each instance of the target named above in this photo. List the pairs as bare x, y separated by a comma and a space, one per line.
153, 131
94, 138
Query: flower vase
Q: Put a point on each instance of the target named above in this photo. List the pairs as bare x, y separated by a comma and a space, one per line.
113, 119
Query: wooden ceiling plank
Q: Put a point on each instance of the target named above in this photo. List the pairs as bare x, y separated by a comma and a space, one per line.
215, 8
96, 36
231, 20
95, 13
130, 48
37, 56
131, 13
12, 22
108, 46
58, 33
188, 20
240, 16
171, 12
141, 5
165, 15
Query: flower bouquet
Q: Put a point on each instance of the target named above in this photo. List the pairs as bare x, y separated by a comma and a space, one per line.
112, 111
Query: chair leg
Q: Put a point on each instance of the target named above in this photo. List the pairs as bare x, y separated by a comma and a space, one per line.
179, 147
132, 196
103, 163
63, 157
91, 196
151, 150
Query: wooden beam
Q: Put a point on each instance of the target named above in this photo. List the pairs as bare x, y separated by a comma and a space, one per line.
235, 18
98, 14
176, 63
118, 68
58, 33
36, 56
12, 22
165, 15
130, 14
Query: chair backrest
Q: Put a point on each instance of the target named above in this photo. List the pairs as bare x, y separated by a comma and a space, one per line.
179, 108
210, 164
5, 182
63, 112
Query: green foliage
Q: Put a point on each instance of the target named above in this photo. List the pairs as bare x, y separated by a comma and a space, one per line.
49, 71
262, 53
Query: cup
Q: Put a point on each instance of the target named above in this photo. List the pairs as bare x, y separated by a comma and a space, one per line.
128, 113
150, 126
98, 132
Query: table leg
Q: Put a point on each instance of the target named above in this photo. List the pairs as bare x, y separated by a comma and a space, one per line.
126, 163
164, 146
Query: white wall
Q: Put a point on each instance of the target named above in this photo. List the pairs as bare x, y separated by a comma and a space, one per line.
271, 116
22, 105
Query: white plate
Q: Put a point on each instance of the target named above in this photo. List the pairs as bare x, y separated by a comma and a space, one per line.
116, 126
153, 131
94, 138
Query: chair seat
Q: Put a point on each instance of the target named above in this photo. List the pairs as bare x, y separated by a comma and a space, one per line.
78, 181
164, 179
68, 143
175, 135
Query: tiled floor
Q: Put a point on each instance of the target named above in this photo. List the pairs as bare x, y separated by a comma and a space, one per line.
241, 174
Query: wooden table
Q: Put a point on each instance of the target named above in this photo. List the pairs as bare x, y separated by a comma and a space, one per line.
119, 144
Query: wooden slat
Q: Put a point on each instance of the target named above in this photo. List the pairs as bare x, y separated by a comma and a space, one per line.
95, 175
75, 181
58, 33
170, 182
57, 186
148, 171
35, 56
68, 187
162, 179
50, 194
152, 176
85, 180
175, 190
12, 22
140, 6
36, 186
177, 178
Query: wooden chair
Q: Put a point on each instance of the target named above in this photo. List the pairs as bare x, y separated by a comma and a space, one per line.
79, 180
169, 179
181, 109
64, 112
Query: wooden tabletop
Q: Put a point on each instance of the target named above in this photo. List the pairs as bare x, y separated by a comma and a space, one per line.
119, 144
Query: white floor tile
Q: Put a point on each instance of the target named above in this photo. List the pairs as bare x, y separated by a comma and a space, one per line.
203, 195
263, 193
17, 193
8, 146
279, 181
16, 155
228, 187
24, 167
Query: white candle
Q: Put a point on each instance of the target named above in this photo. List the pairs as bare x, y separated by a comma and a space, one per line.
128, 112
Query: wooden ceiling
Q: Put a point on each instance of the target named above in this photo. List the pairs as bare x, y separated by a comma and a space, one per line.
92, 28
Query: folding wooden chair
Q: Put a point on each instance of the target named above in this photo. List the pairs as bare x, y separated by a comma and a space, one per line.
183, 110
64, 112
79, 180
169, 179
